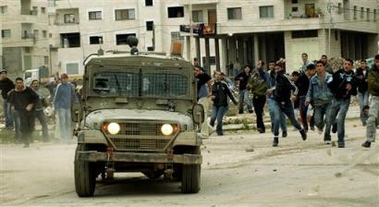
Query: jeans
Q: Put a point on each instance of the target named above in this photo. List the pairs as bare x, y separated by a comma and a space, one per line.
340, 106
287, 109
17, 126
218, 113
371, 121
65, 124
259, 103
320, 112
244, 99
282, 122
8, 114
205, 102
363, 101
26, 125
303, 112
40, 115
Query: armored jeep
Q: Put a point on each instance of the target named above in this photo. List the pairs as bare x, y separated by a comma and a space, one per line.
138, 113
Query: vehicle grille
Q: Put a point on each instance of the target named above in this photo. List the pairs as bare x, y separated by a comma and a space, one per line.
140, 136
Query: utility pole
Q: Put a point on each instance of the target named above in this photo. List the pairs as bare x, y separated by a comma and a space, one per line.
191, 32
330, 8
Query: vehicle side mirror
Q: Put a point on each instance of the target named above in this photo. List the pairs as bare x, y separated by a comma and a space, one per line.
76, 112
198, 113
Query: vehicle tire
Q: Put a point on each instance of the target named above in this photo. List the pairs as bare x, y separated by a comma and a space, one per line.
191, 178
85, 175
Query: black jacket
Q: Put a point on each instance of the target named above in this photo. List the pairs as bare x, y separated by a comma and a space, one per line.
284, 88
337, 84
362, 83
221, 92
243, 79
5, 86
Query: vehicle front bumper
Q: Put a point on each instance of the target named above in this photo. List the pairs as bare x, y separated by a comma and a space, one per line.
94, 156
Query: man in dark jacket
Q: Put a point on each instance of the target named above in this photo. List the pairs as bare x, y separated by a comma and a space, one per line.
343, 85
258, 85
373, 88
302, 83
283, 104
6, 85
361, 74
243, 79
23, 100
220, 94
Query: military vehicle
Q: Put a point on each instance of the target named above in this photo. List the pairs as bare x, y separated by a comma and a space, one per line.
138, 113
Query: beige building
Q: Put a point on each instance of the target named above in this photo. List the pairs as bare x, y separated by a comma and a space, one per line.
24, 34
61, 33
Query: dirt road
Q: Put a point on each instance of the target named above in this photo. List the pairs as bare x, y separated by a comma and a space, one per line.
239, 169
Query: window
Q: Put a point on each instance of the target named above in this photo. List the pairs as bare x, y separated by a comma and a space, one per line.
46, 60
355, 12
94, 15
175, 12
176, 36
294, 1
197, 16
148, 2
50, 35
70, 40
266, 12
27, 49
5, 33
44, 34
69, 18
362, 13
36, 34
34, 11
375, 15
368, 14
121, 39
3, 9
339, 8
72, 68
43, 10
125, 14
304, 34
149, 25
95, 40
234, 13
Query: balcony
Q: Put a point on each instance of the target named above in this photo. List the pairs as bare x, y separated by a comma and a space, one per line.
197, 2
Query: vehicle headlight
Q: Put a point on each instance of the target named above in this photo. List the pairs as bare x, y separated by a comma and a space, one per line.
113, 128
167, 129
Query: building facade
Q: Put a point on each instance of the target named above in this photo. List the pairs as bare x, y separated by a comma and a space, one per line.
59, 34
24, 35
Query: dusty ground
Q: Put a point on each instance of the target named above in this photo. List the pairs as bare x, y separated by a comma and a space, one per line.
239, 169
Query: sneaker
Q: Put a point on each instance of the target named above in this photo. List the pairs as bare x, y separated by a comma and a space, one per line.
319, 131
251, 111
328, 142
284, 134
341, 145
275, 142
303, 134
220, 134
334, 128
312, 128
260, 130
366, 144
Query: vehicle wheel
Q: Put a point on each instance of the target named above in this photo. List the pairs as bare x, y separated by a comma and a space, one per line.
85, 176
191, 178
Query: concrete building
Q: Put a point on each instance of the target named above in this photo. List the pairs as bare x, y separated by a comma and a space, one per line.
222, 30
24, 35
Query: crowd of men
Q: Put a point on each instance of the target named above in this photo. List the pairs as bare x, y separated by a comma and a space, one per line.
23, 104
320, 96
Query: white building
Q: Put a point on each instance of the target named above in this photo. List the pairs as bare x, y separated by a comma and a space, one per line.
245, 29
24, 34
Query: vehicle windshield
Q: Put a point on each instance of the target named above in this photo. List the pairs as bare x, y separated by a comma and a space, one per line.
140, 84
